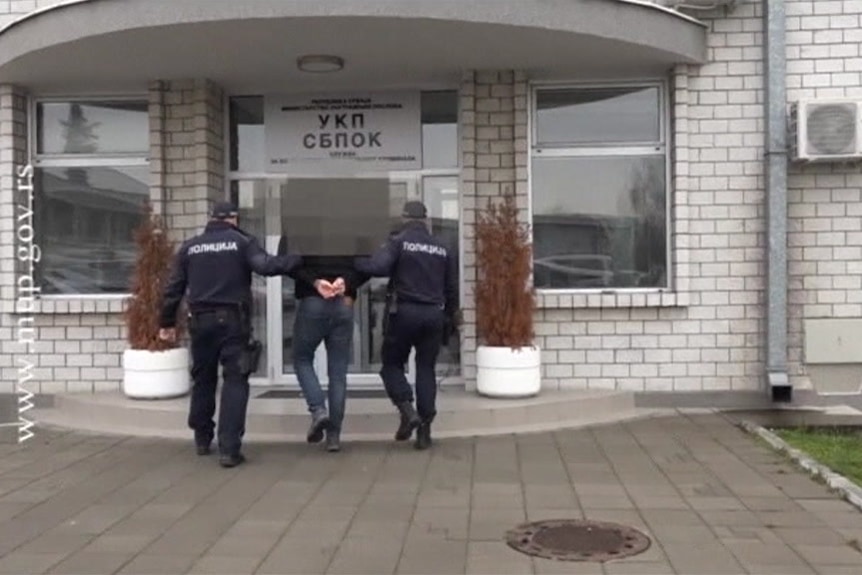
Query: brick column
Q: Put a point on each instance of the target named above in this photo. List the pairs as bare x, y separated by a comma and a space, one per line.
494, 162
187, 151
13, 153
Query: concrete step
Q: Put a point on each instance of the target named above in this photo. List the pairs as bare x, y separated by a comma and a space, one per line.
285, 418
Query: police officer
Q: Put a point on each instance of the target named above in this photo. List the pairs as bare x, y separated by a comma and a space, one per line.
423, 276
216, 268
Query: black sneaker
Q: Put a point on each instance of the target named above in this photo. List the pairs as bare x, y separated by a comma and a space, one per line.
231, 460
319, 422
409, 421
203, 449
333, 441
423, 436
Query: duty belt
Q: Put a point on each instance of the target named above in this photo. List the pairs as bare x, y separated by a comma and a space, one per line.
416, 302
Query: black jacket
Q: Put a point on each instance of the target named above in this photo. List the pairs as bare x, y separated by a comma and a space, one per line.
330, 268
216, 268
422, 268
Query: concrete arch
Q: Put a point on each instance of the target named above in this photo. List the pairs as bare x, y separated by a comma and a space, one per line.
176, 36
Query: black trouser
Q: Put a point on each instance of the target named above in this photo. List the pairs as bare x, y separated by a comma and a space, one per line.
419, 326
218, 337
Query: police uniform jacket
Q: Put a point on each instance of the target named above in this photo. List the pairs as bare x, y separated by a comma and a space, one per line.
215, 267
422, 269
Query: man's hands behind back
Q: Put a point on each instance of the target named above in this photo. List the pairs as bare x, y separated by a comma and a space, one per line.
328, 290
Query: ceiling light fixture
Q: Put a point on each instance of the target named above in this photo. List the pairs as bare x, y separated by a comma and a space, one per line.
320, 64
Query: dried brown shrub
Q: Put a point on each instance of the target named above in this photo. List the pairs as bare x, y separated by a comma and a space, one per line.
152, 270
505, 299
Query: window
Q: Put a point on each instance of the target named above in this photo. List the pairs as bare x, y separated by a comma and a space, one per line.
91, 183
440, 129
599, 188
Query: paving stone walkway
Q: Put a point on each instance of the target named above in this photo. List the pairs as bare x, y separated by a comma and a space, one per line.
713, 499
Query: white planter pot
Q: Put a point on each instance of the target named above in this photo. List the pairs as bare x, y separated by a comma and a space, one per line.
504, 372
156, 374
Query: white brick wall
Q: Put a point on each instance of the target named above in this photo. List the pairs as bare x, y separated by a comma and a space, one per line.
824, 50
187, 150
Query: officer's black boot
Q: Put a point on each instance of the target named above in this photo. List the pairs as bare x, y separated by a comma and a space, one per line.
319, 422
409, 421
203, 443
423, 436
231, 460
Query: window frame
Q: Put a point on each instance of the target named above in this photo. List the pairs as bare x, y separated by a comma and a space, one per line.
660, 148
101, 160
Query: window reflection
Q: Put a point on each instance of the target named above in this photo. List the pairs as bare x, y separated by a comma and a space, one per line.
597, 115
85, 221
440, 129
247, 138
599, 222
115, 127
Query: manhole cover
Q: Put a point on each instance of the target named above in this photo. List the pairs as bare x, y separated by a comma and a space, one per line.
577, 540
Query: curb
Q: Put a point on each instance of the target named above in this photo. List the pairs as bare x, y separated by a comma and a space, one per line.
849, 490
628, 416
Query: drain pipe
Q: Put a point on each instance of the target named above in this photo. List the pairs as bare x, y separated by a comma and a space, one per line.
776, 194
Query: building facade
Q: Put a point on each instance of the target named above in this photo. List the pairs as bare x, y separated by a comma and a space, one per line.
633, 133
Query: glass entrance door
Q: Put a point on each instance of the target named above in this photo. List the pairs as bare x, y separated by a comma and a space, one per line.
369, 309
262, 204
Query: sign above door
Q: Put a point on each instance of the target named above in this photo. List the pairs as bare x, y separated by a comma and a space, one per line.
343, 133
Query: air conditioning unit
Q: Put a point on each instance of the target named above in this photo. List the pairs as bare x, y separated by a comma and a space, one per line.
826, 130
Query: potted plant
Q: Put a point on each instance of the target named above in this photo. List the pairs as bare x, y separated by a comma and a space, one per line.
152, 368
508, 362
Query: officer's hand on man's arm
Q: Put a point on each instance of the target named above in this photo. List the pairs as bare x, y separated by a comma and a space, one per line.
381, 262
266, 265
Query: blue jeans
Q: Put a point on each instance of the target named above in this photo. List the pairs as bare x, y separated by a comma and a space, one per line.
329, 322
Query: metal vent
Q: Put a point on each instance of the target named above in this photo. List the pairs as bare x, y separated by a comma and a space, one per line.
825, 130
831, 129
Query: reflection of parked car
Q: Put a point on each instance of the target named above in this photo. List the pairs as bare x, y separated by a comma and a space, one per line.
566, 271
89, 268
